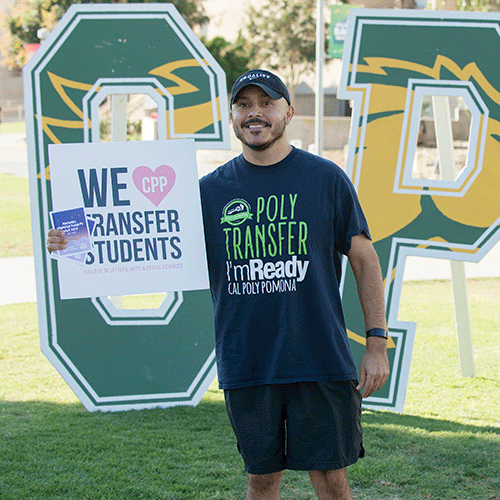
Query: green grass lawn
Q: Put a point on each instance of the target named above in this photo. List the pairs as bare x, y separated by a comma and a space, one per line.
446, 445
15, 217
12, 128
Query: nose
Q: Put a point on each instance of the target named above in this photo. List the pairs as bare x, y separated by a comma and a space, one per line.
255, 111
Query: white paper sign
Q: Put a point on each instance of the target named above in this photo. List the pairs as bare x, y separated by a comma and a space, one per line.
144, 199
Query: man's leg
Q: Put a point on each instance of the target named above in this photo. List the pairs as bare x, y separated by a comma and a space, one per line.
331, 484
258, 420
264, 486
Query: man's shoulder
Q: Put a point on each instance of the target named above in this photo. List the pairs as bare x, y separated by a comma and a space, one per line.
220, 174
320, 164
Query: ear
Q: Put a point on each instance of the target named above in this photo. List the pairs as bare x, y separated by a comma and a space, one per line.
290, 114
230, 117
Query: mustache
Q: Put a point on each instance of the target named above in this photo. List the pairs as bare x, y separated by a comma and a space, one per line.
255, 120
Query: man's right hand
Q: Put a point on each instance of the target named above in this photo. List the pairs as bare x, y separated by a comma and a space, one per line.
56, 240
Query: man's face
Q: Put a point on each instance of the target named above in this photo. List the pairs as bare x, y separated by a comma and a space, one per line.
258, 120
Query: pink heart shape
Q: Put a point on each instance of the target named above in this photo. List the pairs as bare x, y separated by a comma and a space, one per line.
154, 185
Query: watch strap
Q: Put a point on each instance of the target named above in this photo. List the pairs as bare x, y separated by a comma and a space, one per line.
377, 332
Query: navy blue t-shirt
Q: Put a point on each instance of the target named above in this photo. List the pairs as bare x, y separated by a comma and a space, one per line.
275, 238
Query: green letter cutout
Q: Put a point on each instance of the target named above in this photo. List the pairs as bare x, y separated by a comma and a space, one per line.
392, 59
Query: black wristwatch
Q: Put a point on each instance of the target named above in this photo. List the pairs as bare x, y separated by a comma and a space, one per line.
377, 332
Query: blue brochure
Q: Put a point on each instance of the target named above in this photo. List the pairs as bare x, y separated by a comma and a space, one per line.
75, 226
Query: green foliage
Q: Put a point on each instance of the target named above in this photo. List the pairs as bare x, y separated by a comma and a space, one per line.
105, 129
479, 5
26, 17
25, 24
283, 37
19, 27
234, 58
134, 130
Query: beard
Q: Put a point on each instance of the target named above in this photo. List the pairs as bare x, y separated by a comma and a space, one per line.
278, 134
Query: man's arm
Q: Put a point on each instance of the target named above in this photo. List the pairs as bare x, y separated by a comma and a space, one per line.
374, 370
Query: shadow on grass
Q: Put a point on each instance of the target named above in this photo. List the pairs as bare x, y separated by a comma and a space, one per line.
426, 424
412, 457
52, 450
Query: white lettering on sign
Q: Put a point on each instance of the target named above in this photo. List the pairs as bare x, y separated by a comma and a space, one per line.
150, 184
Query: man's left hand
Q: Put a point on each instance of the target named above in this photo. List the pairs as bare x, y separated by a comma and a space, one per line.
374, 370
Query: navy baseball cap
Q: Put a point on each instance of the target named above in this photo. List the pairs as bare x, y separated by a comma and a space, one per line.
267, 81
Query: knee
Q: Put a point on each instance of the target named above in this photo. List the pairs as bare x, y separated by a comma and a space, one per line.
331, 483
264, 484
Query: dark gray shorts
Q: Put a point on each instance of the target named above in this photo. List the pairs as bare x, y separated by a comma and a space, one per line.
298, 426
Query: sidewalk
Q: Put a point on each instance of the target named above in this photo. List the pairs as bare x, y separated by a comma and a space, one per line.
14, 158
19, 274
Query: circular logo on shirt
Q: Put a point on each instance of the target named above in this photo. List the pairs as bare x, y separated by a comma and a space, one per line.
236, 212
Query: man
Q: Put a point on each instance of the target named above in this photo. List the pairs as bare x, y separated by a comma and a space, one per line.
277, 220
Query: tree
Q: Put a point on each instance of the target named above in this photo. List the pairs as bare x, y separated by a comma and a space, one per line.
283, 38
234, 58
19, 28
26, 17
479, 5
